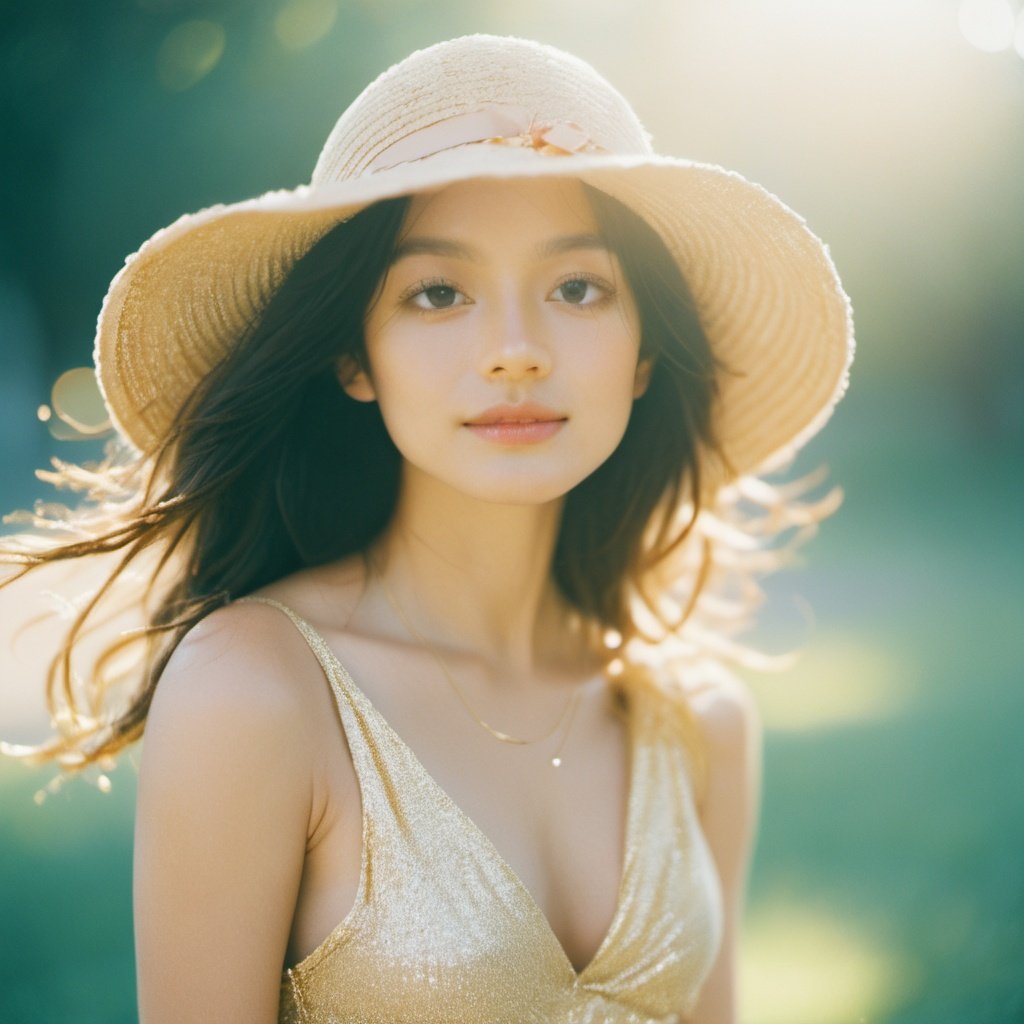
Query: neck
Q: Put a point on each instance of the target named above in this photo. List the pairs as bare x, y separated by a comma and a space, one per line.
474, 577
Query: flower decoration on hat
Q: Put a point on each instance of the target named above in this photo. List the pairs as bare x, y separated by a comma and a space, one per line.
553, 139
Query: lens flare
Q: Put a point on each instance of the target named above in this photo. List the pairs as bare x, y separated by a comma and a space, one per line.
987, 25
300, 23
189, 52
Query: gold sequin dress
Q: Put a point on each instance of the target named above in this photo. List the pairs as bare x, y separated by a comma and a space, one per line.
442, 929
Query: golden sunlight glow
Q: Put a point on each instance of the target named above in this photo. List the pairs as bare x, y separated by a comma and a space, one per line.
805, 965
987, 24
189, 52
35, 614
301, 23
839, 678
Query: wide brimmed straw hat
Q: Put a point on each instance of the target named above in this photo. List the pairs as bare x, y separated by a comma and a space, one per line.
484, 106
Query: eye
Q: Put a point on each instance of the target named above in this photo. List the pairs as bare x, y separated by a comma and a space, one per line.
436, 294
575, 290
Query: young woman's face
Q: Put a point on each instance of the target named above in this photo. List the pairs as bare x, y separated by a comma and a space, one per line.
503, 305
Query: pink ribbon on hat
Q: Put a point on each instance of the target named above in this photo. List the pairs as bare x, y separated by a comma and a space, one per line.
504, 125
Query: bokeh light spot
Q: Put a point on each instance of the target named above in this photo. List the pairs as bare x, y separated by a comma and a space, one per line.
987, 24
300, 23
189, 52
809, 965
78, 403
838, 679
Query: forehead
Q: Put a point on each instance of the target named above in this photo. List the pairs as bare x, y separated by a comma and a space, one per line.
523, 208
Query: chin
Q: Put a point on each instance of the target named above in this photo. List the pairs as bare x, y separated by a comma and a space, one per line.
529, 487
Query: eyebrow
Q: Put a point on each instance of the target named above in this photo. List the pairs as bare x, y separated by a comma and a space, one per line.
431, 246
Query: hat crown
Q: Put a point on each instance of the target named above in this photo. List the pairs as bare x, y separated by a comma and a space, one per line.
472, 73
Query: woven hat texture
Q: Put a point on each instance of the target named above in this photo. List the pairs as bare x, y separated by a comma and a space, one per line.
765, 286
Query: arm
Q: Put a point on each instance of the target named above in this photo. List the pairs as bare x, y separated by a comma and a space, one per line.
729, 811
223, 808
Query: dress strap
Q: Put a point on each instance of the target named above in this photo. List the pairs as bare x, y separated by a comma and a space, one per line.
367, 734
372, 740
316, 642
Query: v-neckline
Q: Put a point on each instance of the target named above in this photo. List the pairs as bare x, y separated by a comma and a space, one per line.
488, 845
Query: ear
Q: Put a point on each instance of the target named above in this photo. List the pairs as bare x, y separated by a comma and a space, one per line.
354, 379
642, 377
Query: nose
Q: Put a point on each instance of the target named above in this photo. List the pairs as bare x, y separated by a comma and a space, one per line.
514, 348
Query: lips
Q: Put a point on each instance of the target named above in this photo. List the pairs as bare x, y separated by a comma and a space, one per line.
528, 412
514, 425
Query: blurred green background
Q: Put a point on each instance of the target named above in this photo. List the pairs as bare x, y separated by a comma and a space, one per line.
889, 878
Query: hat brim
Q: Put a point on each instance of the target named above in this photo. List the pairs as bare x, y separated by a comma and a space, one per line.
766, 289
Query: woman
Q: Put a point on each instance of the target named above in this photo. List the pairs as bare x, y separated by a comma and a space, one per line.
462, 428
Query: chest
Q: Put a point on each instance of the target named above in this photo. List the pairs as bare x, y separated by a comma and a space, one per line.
561, 830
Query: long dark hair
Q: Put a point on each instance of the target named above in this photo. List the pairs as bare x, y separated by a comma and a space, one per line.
271, 467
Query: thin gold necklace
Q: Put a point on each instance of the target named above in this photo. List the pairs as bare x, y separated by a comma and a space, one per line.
570, 707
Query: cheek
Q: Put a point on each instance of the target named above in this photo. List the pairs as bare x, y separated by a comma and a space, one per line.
609, 391
607, 365
412, 382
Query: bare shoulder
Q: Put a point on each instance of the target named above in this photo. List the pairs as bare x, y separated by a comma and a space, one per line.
727, 712
241, 660
235, 709
731, 731
730, 722
724, 724
249, 656
244, 697
226, 798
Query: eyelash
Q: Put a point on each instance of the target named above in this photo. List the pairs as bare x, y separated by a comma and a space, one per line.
439, 282
593, 279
